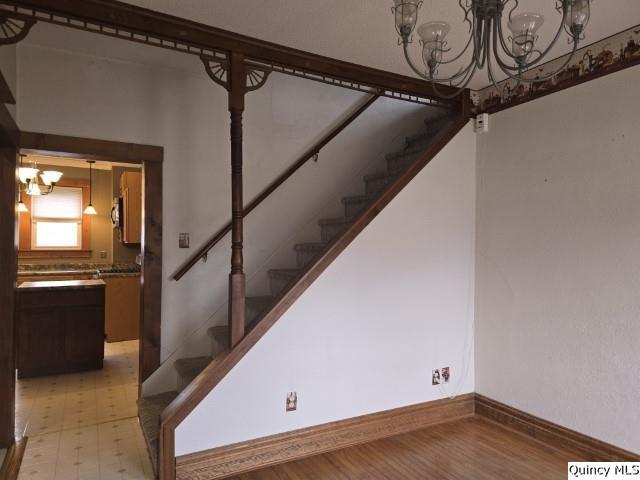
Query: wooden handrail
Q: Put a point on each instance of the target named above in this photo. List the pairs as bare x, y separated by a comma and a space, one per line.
207, 380
308, 155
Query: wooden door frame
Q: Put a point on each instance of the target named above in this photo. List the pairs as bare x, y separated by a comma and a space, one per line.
9, 262
151, 158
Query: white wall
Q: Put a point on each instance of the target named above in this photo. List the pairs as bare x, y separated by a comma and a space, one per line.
397, 303
68, 93
558, 271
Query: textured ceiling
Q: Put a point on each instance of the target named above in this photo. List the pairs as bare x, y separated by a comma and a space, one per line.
359, 31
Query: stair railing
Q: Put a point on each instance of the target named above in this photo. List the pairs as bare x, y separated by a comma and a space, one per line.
311, 153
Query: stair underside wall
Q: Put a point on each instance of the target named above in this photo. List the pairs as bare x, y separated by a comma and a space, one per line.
365, 336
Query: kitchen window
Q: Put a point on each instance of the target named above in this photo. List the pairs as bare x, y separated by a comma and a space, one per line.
54, 225
56, 220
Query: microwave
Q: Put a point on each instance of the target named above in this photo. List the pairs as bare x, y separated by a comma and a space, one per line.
117, 214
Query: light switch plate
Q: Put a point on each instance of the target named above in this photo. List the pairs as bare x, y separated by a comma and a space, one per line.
183, 240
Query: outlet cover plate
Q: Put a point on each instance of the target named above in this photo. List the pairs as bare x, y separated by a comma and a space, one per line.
292, 401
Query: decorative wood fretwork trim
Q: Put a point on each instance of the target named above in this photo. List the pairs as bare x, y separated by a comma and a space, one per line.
551, 433
13, 27
243, 457
138, 24
13, 459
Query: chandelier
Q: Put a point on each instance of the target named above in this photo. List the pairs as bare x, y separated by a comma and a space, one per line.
29, 179
513, 55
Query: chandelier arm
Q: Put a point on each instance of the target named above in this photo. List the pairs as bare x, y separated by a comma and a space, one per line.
427, 77
460, 54
461, 87
541, 55
539, 79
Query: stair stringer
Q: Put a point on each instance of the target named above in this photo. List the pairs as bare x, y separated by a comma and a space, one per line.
188, 408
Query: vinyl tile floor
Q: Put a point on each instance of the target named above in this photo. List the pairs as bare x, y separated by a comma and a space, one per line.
84, 425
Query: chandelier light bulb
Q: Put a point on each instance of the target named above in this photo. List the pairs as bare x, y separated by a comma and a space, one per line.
50, 177
578, 16
406, 13
33, 188
433, 31
27, 175
22, 208
90, 210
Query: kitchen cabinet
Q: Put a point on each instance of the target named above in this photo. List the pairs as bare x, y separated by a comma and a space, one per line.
122, 308
131, 193
60, 327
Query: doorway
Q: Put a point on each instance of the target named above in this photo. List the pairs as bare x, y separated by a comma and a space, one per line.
148, 161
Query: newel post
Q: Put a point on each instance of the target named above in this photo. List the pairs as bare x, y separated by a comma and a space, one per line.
237, 281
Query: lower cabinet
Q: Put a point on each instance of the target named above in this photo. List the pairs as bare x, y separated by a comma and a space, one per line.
59, 331
122, 310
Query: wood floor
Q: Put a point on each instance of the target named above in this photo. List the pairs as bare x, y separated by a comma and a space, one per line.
474, 449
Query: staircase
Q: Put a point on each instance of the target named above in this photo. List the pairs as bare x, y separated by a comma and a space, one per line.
281, 279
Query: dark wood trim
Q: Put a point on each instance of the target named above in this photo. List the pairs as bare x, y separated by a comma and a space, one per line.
254, 454
118, 15
551, 433
308, 155
9, 262
195, 392
6, 95
51, 145
237, 281
11, 466
151, 158
151, 275
9, 132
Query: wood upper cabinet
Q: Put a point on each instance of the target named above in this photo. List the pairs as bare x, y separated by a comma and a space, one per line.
131, 193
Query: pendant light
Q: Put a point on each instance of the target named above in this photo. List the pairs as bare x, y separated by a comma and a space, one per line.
22, 208
90, 210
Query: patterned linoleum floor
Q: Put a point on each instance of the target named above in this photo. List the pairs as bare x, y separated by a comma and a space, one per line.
84, 425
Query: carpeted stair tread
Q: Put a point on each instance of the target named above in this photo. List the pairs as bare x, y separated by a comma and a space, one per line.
149, 411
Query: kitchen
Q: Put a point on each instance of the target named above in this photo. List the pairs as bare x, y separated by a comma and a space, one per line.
78, 292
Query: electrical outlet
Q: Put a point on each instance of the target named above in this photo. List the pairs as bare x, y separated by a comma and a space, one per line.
183, 240
435, 377
103, 254
446, 374
292, 401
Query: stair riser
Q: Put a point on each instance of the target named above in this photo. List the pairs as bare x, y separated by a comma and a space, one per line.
328, 232
219, 344
304, 258
420, 143
278, 284
373, 187
351, 209
398, 165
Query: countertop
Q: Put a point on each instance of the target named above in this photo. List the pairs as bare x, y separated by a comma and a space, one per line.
62, 285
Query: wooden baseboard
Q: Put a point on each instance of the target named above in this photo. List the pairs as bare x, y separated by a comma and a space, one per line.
243, 457
551, 433
12, 461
